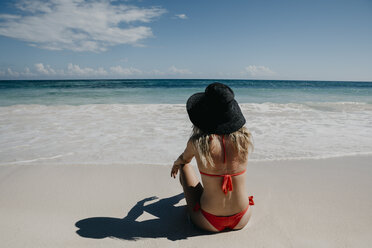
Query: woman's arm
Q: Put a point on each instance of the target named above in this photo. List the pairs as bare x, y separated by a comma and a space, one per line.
183, 159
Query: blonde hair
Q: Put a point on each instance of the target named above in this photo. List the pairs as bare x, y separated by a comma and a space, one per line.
241, 140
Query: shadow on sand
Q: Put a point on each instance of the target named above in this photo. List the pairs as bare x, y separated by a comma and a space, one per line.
171, 222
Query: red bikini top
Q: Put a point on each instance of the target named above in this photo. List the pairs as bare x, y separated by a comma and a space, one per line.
227, 180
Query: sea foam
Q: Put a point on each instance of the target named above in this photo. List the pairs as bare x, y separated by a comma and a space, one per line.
157, 133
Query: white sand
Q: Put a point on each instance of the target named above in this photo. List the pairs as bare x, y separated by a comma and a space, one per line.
312, 203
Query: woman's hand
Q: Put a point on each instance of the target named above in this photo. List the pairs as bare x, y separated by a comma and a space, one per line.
175, 169
177, 165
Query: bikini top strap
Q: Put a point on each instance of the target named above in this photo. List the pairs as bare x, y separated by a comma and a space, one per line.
227, 180
232, 175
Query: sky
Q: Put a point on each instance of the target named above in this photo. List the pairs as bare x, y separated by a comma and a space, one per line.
210, 39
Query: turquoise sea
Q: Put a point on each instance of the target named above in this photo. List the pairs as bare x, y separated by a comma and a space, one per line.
78, 92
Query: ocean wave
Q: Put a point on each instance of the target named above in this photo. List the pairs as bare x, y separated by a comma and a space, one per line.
157, 133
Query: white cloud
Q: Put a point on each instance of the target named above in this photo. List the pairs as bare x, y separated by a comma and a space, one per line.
182, 16
28, 72
9, 72
174, 70
78, 25
76, 70
118, 70
12, 73
44, 70
41, 70
258, 70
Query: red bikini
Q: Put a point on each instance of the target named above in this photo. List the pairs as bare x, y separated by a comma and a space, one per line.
223, 222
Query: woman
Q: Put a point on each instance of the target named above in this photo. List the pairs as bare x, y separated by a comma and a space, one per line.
220, 145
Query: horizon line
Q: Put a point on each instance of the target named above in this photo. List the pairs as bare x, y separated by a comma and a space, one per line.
209, 79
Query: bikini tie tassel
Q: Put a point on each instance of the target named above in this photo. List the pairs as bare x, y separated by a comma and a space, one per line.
227, 184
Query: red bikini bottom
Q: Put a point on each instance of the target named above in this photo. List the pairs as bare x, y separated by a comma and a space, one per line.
223, 222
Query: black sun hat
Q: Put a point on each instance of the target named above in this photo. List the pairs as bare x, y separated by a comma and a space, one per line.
215, 111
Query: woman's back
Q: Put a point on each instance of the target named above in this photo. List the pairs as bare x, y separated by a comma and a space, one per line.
226, 162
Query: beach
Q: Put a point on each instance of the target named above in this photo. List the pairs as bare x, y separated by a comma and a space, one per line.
87, 164
303, 203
